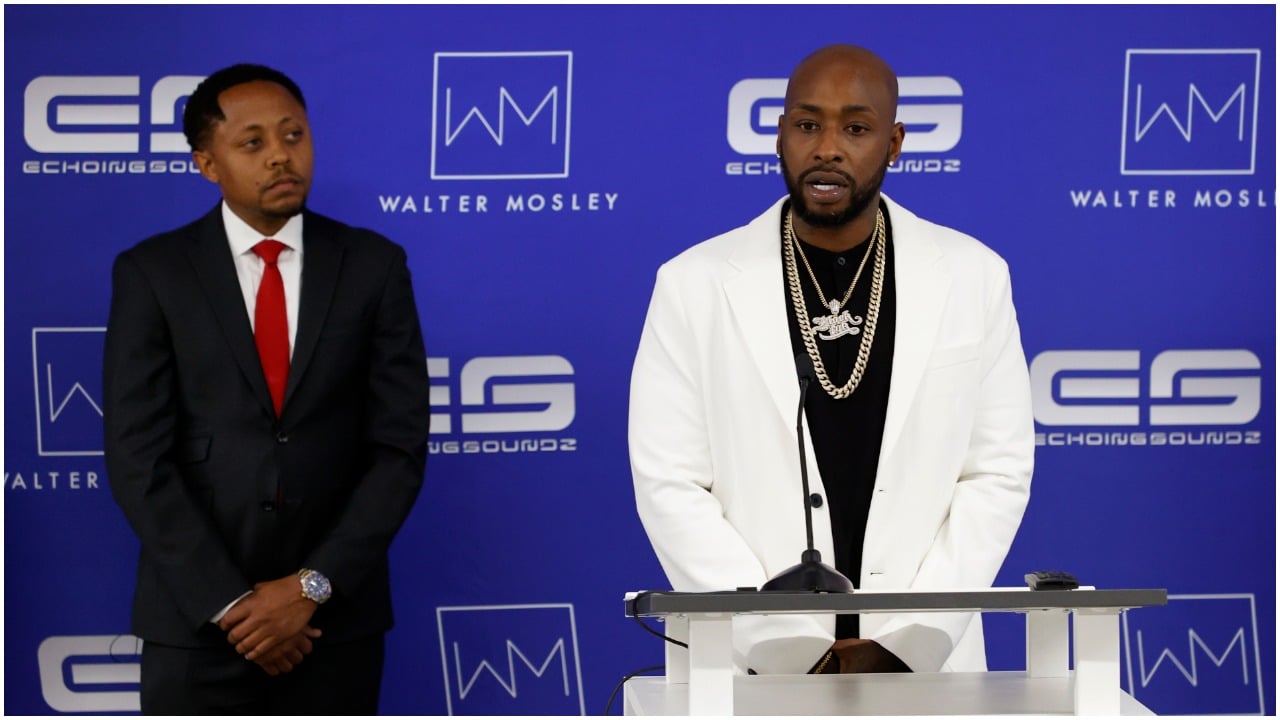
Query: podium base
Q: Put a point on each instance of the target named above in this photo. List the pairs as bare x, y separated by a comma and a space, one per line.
810, 575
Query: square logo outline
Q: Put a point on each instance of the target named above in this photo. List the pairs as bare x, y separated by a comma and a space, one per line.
1257, 649
435, 112
35, 370
1124, 125
573, 631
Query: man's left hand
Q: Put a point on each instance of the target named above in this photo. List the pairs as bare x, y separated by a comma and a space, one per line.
289, 653
273, 612
858, 655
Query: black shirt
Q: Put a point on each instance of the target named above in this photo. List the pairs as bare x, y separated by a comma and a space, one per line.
847, 433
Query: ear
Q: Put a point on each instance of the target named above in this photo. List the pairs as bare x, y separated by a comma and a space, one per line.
204, 161
895, 143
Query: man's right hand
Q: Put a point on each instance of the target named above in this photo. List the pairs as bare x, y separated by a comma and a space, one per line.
284, 656
866, 656
274, 612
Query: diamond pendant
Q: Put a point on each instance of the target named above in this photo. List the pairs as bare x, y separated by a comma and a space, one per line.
837, 324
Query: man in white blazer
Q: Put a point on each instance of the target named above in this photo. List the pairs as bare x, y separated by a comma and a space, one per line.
921, 421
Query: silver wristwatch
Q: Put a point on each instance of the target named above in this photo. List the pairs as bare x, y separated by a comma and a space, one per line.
315, 586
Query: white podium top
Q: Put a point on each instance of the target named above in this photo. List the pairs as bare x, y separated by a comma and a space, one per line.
754, 602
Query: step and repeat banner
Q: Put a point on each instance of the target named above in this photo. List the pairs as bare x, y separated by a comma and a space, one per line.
538, 164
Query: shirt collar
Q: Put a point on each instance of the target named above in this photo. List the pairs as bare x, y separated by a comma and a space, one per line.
242, 238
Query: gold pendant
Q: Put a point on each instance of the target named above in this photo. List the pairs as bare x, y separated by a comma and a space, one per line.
837, 324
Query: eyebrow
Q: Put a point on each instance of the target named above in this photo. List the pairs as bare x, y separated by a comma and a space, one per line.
260, 126
844, 110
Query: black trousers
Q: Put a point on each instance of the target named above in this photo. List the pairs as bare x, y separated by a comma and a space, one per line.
335, 679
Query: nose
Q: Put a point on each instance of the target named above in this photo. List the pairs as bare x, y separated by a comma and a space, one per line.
277, 153
827, 149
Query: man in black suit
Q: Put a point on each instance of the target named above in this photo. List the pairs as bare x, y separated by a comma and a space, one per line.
266, 425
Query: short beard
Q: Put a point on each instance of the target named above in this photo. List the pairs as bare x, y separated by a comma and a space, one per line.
861, 199
286, 212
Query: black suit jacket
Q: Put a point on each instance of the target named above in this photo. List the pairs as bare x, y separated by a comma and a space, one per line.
197, 458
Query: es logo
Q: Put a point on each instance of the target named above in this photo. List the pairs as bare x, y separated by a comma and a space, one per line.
927, 105
505, 394
1183, 387
91, 673
54, 106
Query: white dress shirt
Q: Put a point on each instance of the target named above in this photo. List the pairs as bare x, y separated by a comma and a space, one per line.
249, 267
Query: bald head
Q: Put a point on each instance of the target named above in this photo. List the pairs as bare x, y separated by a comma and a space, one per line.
837, 135
846, 63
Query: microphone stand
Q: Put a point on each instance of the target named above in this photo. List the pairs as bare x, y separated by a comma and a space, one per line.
811, 573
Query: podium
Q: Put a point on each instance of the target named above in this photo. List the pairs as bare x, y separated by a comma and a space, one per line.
702, 680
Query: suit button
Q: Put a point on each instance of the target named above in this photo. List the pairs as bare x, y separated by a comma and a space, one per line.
815, 500
281, 437
268, 506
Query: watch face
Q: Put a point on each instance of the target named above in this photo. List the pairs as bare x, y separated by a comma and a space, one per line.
316, 586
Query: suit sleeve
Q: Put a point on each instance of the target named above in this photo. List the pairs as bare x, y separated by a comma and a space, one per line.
673, 474
140, 413
399, 416
989, 496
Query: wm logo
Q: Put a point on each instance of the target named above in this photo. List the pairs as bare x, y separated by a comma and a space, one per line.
501, 115
1198, 655
505, 103
67, 364
508, 682
1196, 647
1190, 112
511, 660
1235, 104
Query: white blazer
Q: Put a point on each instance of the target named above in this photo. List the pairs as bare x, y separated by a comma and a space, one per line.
713, 444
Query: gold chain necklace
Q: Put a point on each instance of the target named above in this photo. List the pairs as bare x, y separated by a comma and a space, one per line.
833, 306
802, 313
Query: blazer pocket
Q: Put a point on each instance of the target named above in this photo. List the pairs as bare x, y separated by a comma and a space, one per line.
345, 322
948, 356
194, 449
344, 333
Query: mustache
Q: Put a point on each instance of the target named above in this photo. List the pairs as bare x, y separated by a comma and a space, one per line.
826, 169
283, 175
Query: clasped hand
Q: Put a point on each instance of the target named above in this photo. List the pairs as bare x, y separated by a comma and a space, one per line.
270, 625
857, 655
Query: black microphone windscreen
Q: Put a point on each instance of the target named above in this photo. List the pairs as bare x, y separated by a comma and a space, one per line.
804, 367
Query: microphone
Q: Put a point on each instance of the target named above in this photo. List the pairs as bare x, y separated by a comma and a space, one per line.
811, 574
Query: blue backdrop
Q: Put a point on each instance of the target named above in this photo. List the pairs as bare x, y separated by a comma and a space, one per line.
538, 164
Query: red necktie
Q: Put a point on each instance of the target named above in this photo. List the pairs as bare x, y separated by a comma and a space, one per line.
271, 323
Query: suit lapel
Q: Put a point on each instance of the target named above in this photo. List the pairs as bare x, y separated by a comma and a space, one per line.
756, 300
921, 286
216, 272
321, 260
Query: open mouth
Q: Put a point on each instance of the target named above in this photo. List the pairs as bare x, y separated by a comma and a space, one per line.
825, 186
